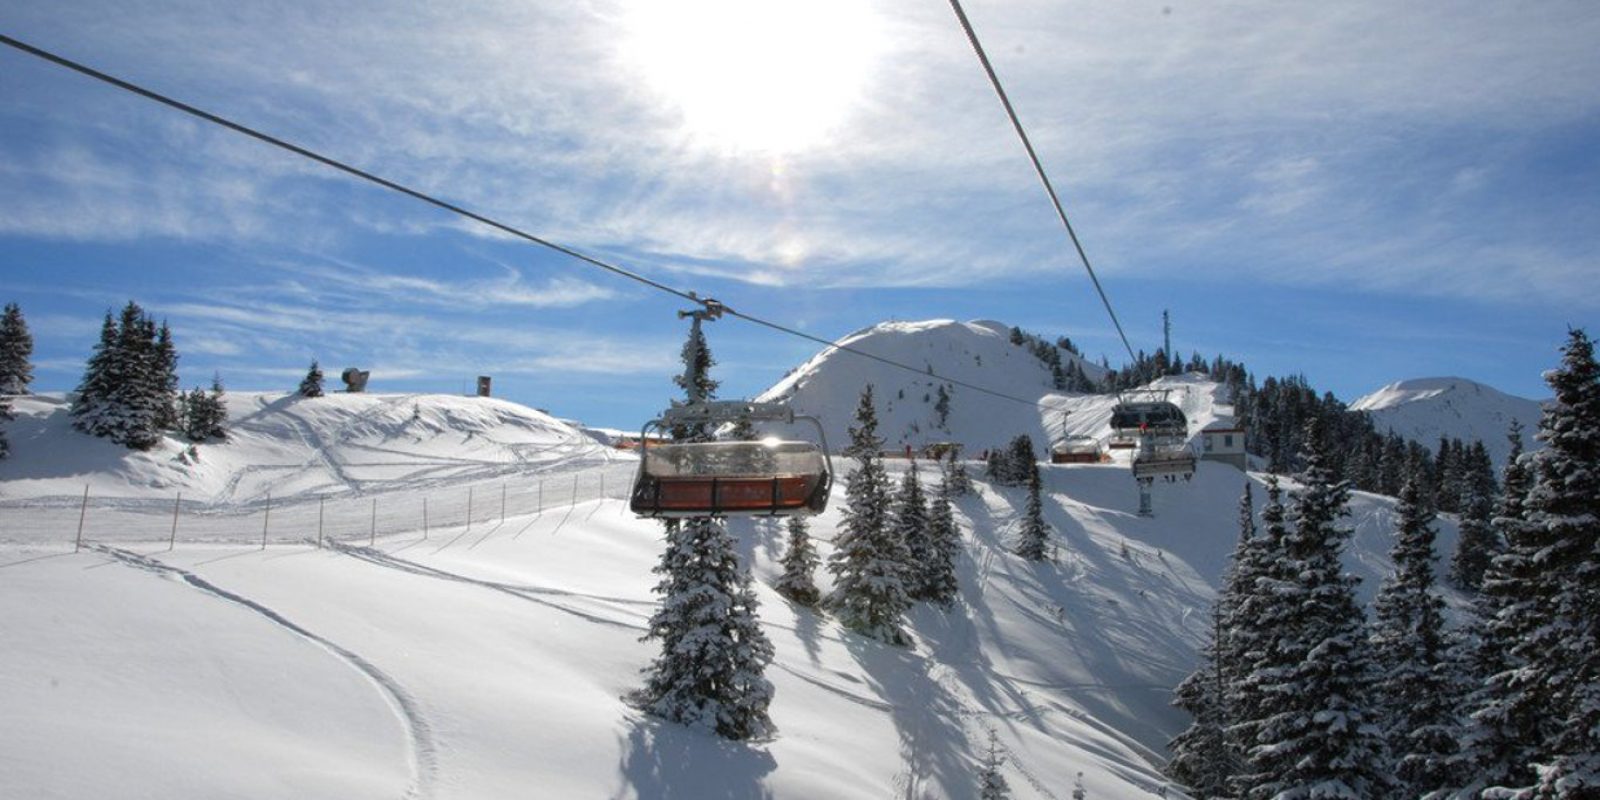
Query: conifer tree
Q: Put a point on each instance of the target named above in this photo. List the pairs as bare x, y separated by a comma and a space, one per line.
16, 348
1317, 736
1253, 630
89, 406
1201, 758
712, 675
910, 523
799, 565
204, 415
1416, 688
1498, 740
939, 582
1035, 536
1562, 668
960, 483
941, 406
1205, 756
311, 384
868, 559
164, 379
127, 389
713, 653
1478, 544
991, 784
743, 430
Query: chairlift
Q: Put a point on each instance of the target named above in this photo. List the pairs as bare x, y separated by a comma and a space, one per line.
766, 478
1169, 461
1157, 418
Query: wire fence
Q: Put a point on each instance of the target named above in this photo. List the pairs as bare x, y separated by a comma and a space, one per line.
457, 510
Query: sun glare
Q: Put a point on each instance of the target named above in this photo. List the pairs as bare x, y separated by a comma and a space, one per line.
770, 76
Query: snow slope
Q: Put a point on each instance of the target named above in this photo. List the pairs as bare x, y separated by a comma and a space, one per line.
290, 445
979, 353
487, 656
1425, 409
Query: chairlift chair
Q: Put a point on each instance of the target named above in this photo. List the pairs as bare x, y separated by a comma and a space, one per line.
765, 478
1161, 419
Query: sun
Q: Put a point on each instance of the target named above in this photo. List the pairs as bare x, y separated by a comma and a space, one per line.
768, 76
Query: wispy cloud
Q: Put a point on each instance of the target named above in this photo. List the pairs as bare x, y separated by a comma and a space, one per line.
1157, 125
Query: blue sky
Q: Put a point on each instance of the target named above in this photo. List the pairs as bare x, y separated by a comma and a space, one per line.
1362, 192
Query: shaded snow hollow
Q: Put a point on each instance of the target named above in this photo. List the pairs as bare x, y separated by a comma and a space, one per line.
489, 660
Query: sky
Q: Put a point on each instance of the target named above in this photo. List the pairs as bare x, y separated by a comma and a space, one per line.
1360, 192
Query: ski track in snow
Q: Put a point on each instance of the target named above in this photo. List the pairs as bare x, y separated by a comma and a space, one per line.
423, 756
528, 593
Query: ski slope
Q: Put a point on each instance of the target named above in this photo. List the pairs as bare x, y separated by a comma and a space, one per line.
486, 655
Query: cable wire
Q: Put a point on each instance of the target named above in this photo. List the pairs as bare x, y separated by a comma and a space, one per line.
994, 80
705, 302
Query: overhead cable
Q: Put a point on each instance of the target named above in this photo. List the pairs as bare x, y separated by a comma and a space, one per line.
484, 220
1038, 167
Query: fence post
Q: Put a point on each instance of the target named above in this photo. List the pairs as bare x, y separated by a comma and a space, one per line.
372, 539
320, 502
574, 489
424, 517
469, 508
173, 540
265, 518
82, 511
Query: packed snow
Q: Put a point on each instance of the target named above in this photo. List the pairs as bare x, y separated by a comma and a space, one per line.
485, 653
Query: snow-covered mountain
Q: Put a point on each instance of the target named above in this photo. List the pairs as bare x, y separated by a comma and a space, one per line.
978, 353
1425, 409
483, 651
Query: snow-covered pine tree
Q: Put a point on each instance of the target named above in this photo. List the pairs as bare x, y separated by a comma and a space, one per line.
1201, 757
939, 581
941, 406
140, 393
997, 466
311, 384
712, 675
5, 416
868, 559
798, 582
204, 414
90, 409
1498, 739
1252, 629
16, 348
743, 430
1204, 756
1317, 735
696, 382
1478, 543
217, 420
125, 386
909, 519
164, 379
1024, 465
1033, 541
1416, 688
960, 483
713, 652
1562, 654
991, 784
